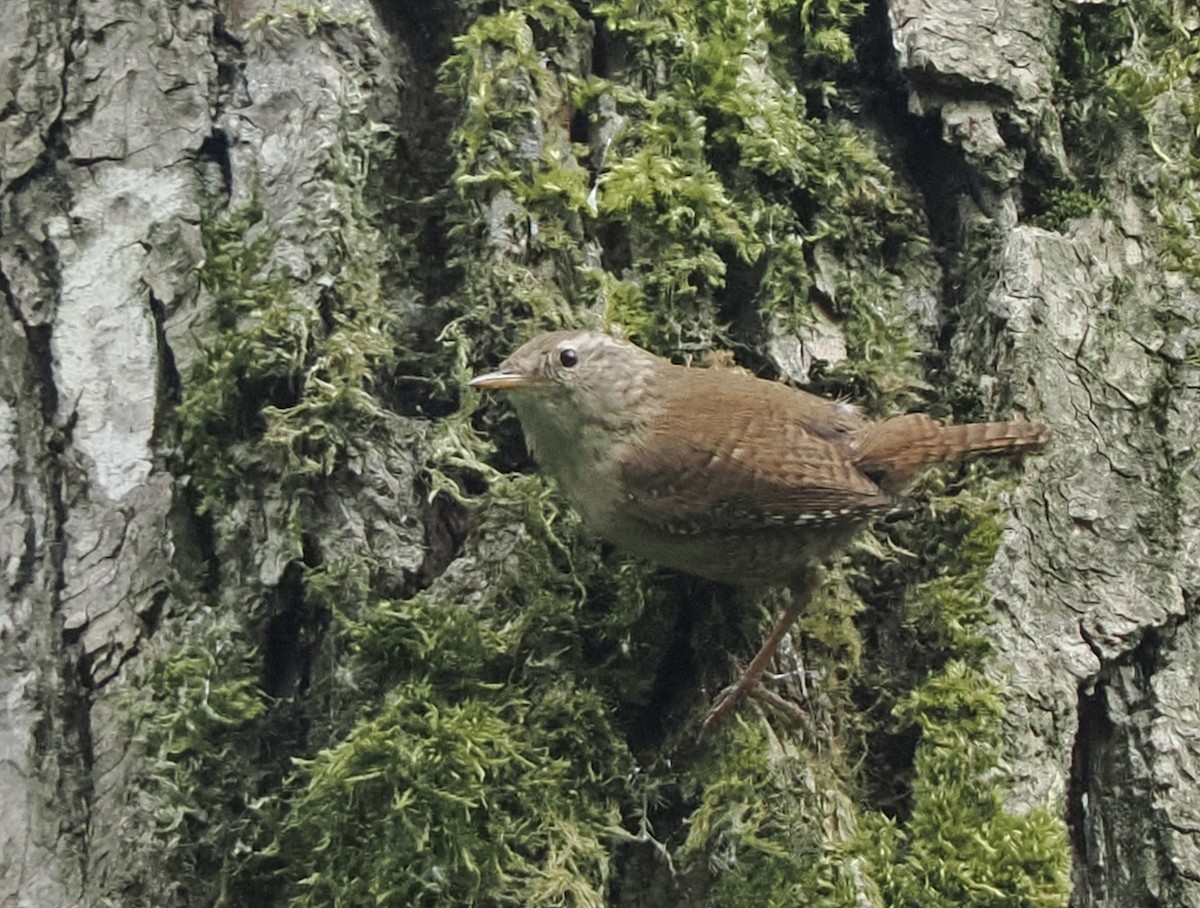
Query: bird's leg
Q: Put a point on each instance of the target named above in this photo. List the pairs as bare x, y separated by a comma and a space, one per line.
727, 699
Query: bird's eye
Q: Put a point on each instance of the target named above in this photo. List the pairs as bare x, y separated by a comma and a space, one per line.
568, 358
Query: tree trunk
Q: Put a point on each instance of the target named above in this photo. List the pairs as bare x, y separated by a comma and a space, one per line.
289, 616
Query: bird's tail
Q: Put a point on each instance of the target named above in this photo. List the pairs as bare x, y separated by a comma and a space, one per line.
894, 450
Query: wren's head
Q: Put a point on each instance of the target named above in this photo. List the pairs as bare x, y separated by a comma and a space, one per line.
573, 391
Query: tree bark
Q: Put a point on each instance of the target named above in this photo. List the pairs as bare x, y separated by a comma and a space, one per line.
288, 617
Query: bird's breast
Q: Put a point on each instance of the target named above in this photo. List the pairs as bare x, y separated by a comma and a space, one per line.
586, 464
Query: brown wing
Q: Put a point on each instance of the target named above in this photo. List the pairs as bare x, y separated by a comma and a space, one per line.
729, 452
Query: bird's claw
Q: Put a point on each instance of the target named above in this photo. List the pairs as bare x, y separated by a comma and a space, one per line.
729, 697
724, 703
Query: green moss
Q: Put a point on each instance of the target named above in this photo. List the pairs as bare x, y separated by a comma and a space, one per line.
282, 385
950, 607
960, 846
493, 773
221, 410
766, 812
516, 225
488, 739
314, 16
1095, 119
207, 691
283, 382
714, 165
1129, 80
1061, 206
280, 398
461, 804
830, 633
201, 718
716, 168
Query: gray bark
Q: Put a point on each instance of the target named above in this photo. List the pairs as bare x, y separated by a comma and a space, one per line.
1094, 582
104, 116
117, 129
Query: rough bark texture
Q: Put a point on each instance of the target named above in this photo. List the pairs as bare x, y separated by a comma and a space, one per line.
249, 256
104, 117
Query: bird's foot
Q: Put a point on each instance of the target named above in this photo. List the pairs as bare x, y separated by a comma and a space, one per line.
752, 685
727, 699
789, 708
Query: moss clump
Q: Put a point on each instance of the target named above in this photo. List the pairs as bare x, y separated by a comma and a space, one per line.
1129, 77
716, 169
493, 773
462, 804
960, 846
1095, 118
283, 384
766, 812
313, 17
944, 596
203, 726
515, 227
712, 169
1061, 206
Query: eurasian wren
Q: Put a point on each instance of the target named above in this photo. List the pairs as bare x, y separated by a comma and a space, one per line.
715, 472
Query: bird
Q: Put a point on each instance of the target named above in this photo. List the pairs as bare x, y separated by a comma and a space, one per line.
719, 473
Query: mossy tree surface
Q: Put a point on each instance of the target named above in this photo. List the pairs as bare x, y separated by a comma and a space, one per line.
514, 724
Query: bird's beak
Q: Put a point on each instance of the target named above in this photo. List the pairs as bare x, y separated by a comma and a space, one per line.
502, 380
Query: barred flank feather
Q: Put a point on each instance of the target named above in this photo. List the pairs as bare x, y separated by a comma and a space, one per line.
892, 451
